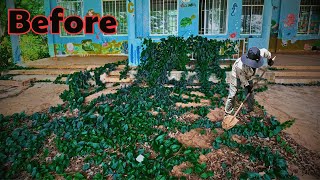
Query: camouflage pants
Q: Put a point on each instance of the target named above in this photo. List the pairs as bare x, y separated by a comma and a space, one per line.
233, 88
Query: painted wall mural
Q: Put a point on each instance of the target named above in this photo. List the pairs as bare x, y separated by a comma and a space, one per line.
274, 28
234, 7
92, 13
187, 3
289, 13
290, 21
130, 6
187, 21
233, 35
89, 47
188, 17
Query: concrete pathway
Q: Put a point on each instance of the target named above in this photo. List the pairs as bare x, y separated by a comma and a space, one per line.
300, 103
74, 62
297, 60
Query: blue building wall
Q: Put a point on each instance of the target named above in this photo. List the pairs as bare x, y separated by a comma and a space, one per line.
280, 19
284, 28
72, 45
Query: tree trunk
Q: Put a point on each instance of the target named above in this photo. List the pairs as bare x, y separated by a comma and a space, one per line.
2, 29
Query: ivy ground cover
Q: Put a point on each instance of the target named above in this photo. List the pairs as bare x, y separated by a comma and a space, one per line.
152, 129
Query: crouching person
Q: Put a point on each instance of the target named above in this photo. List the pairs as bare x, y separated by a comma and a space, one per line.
243, 71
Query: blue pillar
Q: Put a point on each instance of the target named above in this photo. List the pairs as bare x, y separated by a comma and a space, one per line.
188, 14
134, 44
234, 18
47, 8
16, 52
266, 26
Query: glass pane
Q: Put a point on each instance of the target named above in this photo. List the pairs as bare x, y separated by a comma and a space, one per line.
303, 19
305, 2
310, 2
163, 16
71, 7
246, 20
246, 2
212, 16
117, 8
223, 17
252, 2
256, 20
315, 20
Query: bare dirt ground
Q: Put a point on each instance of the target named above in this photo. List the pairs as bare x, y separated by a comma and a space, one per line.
300, 103
283, 102
36, 98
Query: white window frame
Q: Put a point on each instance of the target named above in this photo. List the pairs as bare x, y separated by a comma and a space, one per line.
309, 20
250, 34
102, 13
205, 17
81, 15
177, 22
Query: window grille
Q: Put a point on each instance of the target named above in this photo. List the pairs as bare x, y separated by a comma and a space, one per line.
212, 17
71, 8
163, 17
117, 8
309, 17
252, 17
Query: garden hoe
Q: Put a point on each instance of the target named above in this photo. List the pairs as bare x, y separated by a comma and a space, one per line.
230, 121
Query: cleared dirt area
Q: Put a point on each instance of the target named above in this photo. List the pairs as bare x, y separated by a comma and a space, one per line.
39, 97
283, 102
294, 102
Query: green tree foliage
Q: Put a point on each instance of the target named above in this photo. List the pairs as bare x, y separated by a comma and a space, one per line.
33, 46
5, 51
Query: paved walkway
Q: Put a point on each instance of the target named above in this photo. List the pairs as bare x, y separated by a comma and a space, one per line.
297, 60
64, 62
300, 103
75, 62
39, 97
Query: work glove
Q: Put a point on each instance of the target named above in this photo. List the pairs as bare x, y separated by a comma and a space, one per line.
249, 88
270, 62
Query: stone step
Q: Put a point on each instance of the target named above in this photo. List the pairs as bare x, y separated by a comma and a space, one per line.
298, 67
116, 79
297, 73
37, 77
296, 80
42, 71
14, 83
115, 73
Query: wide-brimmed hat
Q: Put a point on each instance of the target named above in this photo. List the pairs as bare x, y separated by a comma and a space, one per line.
252, 58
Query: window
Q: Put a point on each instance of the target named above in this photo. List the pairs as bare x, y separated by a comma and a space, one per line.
252, 17
117, 8
309, 17
71, 8
163, 17
212, 17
